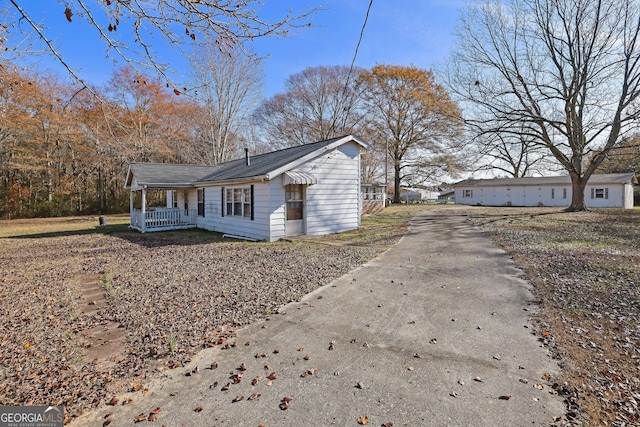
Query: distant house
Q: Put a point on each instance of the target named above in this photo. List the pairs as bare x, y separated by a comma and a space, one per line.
309, 189
373, 198
602, 191
418, 194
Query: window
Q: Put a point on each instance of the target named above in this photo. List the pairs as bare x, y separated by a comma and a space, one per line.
294, 198
553, 193
174, 198
468, 193
599, 193
200, 202
239, 202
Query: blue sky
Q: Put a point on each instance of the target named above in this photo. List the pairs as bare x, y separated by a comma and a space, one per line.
399, 32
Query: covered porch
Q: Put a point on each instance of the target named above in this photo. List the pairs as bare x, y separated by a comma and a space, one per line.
175, 182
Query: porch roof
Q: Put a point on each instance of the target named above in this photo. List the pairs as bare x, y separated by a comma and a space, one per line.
164, 175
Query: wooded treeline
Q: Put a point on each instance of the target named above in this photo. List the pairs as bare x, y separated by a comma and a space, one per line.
63, 151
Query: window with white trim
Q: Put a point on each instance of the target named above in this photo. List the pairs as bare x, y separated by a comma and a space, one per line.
467, 193
174, 198
238, 202
600, 193
200, 201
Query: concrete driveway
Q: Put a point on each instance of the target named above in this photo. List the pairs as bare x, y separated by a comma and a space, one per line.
434, 332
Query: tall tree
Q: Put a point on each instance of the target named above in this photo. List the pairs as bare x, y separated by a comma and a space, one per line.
414, 119
565, 73
228, 88
515, 154
318, 103
130, 30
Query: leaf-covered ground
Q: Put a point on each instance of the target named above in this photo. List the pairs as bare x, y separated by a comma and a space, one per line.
586, 271
171, 293
175, 293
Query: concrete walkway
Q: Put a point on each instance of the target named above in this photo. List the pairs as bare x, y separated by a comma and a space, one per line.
434, 332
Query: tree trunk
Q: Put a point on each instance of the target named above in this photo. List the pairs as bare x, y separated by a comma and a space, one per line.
578, 185
396, 183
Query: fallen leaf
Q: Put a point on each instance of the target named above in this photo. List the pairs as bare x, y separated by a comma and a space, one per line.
312, 371
156, 411
538, 386
363, 420
226, 387
453, 394
248, 343
198, 409
113, 401
272, 376
304, 374
269, 383
238, 399
254, 396
108, 414
136, 387
127, 401
478, 379
546, 333
433, 341
214, 365
331, 346
140, 418
410, 368
504, 397
301, 349
276, 351
387, 424
306, 357
152, 417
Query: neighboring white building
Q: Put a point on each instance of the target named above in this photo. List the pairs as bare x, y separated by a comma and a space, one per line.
309, 189
416, 194
602, 191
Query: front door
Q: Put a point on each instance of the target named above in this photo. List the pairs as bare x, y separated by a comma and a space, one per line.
294, 198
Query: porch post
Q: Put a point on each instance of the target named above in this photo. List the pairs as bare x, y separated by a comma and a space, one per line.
144, 209
131, 211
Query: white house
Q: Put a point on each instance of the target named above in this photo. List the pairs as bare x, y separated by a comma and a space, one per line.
602, 191
309, 189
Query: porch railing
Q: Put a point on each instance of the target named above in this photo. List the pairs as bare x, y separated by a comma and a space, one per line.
156, 219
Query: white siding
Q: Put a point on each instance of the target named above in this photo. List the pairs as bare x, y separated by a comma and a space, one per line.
258, 228
617, 196
333, 205
276, 209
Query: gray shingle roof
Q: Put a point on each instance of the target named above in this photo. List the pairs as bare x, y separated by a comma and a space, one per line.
605, 178
159, 175
166, 175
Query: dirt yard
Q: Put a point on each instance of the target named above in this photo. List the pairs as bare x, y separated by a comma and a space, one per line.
88, 311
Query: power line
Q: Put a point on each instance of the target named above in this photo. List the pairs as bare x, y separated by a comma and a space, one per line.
353, 61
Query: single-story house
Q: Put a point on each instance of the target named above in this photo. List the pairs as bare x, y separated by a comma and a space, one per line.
309, 189
602, 191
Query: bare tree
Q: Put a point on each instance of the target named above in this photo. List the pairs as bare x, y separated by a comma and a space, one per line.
318, 103
514, 154
179, 24
414, 120
564, 73
228, 88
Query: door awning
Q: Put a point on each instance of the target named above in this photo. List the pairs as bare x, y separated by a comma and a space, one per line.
297, 177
